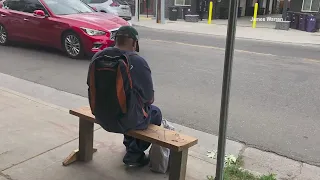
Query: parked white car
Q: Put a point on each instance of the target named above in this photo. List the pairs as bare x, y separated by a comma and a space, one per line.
117, 7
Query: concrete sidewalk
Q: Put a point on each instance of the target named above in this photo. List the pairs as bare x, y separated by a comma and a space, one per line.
244, 30
35, 137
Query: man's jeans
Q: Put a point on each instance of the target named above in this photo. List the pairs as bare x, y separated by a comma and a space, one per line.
135, 147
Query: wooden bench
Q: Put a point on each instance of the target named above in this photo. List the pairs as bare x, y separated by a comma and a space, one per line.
176, 142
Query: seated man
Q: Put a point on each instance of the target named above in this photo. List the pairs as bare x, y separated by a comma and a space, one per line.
126, 41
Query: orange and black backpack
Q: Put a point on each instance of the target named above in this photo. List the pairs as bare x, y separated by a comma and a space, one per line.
110, 90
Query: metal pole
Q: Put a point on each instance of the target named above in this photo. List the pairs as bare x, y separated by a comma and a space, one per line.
156, 13
162, 19
137, 9
147, 1
255, 12
210, 12
284, 11
227, 72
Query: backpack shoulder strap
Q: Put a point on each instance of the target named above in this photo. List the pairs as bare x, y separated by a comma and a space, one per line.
127, 56
139, 97
92, 86
132, 54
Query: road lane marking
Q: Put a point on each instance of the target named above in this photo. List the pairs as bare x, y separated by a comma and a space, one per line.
145, 18
222, 49
311, 60
210, 47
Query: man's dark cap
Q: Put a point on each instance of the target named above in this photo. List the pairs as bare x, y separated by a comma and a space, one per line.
130, 32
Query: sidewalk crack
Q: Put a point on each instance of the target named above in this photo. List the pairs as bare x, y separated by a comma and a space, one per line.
242, 150
300, 171
3, 153
199, 158
5, 176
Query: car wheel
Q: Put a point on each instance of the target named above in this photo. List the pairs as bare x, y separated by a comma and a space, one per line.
3, 35
72, 45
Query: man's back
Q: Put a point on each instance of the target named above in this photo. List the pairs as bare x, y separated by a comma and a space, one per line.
139, 112
141, 96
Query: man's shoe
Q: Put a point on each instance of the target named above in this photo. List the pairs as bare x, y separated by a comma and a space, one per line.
143, 161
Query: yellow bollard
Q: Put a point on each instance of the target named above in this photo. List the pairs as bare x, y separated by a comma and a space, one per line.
254, 23
210, 12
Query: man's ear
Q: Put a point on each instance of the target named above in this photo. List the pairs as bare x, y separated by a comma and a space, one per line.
137, 46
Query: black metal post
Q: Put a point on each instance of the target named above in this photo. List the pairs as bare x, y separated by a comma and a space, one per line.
147, 3
227, 72
138, 10
284, 11
158, 11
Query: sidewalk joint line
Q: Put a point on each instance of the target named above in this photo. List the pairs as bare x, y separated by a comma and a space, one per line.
21, 162
201, 159
33, 100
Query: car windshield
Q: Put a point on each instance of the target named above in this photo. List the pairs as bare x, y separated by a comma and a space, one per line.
65, 7
122, 2
95, 1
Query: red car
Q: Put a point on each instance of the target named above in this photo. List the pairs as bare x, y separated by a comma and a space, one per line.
69, 25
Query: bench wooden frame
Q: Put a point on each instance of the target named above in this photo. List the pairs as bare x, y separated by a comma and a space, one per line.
176, 142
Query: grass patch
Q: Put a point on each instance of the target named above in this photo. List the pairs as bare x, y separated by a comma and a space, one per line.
233, 170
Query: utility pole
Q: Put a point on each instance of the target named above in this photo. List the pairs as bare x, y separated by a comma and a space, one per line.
160, 11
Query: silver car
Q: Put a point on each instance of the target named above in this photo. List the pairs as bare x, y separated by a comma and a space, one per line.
117, 7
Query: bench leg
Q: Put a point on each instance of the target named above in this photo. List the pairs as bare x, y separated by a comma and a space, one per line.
178, 165
86, 150
73, 157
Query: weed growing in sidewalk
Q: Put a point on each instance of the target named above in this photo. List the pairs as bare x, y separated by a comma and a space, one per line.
234, 171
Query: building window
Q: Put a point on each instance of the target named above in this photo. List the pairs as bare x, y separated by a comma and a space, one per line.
182, 2
310, 5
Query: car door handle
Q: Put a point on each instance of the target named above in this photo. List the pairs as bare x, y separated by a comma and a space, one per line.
3, 15
26, 19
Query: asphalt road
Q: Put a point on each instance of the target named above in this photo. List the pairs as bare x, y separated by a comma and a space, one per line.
275, 94
258, 46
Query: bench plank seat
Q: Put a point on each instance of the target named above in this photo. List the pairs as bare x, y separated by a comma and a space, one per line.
177, 143
154, 134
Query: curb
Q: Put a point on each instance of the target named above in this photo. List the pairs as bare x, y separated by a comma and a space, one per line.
36, 100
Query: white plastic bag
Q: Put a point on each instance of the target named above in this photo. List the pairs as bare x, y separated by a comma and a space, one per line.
160, 156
